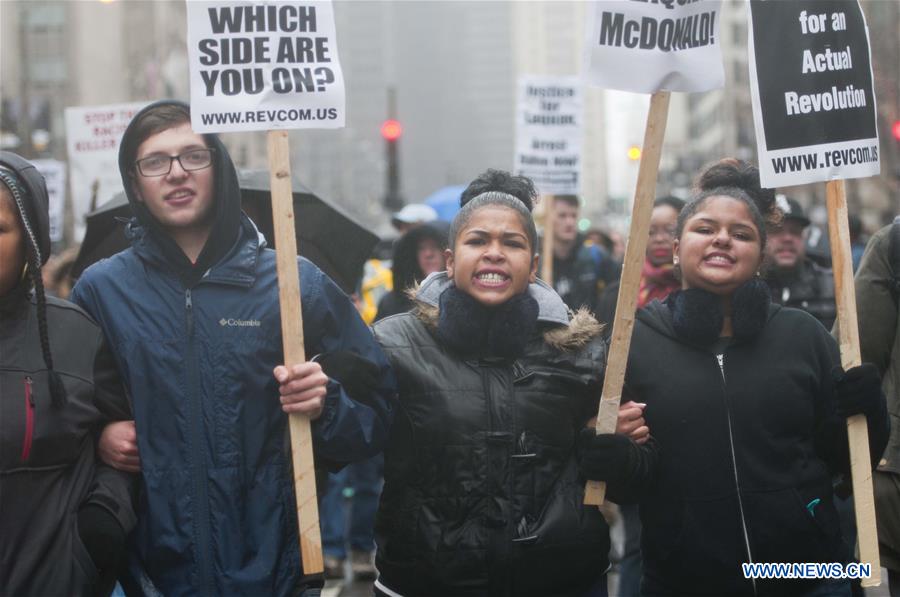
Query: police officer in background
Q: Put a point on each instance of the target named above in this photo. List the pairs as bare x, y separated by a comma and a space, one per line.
795, 280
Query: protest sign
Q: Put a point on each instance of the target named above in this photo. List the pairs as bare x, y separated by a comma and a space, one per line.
93, 134
811, 84
549, 133
54, 173
262, 66
655, 45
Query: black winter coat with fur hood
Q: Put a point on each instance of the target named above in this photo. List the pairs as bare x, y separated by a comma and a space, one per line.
482, 494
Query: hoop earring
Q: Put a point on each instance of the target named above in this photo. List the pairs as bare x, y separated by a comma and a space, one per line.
24, 272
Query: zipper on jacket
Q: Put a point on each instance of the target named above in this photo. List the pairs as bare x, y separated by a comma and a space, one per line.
29, 419
189, 313
737, 483
201, 505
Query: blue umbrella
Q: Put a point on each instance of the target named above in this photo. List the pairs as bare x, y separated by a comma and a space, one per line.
445, 201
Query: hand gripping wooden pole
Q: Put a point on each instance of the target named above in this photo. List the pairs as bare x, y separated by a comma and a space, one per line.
292, 334
644, 195
547, 250
848, 330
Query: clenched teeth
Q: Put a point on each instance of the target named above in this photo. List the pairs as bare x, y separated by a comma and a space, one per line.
491, 277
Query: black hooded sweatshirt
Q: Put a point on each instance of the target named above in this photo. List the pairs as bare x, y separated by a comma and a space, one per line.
748, 441
48, 470
226, 206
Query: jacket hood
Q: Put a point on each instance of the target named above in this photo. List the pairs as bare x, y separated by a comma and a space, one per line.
658, 316
564, 330
36, 200
226, 203
405, 264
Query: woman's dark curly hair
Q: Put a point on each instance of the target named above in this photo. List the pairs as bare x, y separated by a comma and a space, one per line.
731, 177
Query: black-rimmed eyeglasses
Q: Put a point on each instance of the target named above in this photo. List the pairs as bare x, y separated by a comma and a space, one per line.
160, 165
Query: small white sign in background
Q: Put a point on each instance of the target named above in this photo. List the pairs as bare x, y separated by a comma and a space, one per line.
549, 133
93, 134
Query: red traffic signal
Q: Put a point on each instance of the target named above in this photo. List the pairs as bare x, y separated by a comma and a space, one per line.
895, 130
391, 130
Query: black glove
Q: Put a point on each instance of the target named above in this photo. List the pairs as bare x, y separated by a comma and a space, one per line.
102, 536
359, 376
605, 457
858, 391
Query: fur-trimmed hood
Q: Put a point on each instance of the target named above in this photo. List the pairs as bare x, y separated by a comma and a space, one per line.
562, 329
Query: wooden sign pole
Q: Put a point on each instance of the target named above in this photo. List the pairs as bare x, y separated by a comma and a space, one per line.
626, 303
547, 251
848, 329
292, 334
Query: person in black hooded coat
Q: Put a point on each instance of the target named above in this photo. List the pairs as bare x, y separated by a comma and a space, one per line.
422, 245
64, 515
746, 403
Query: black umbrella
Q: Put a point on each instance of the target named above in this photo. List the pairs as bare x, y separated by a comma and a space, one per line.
326, 234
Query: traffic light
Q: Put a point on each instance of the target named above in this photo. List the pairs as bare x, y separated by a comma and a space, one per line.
391, 131
634, 153
895, 130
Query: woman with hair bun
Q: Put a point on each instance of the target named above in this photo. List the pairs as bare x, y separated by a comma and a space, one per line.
746, 404
485, 465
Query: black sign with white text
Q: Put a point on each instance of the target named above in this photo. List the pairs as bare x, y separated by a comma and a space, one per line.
812, 90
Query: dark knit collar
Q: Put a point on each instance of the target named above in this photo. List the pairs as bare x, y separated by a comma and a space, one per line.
697, 314
471, 328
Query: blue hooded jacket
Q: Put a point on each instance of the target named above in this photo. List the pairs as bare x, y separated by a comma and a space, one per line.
217, 513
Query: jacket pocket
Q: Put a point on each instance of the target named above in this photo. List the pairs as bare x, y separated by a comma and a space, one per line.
28, 438
788, 525
698, 535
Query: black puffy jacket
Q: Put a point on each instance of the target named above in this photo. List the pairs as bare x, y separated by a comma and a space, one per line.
481, 494
748, 444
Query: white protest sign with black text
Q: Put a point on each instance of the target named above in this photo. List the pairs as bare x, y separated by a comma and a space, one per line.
811, 82
263, 66
549, 133
655, 45
92, 140
54, 173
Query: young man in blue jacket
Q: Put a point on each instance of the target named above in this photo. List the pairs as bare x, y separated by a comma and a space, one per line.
191, 311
